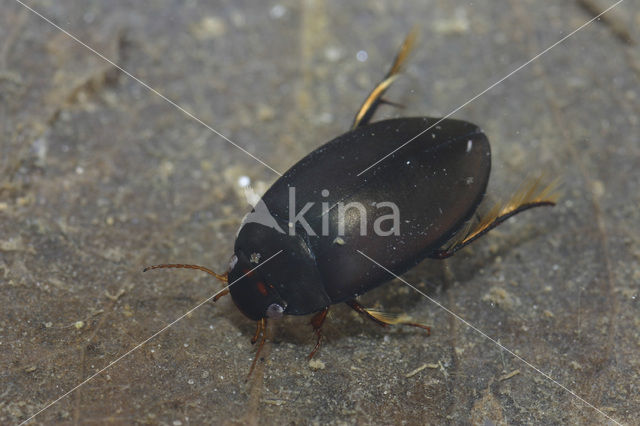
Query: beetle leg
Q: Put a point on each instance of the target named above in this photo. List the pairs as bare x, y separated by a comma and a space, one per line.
316, 322
261, 329
526, 198
395, 104
222, 293
383, 319
374, 99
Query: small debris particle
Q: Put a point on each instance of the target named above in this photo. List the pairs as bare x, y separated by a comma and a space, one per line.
15, 244
166, 170
458, 24
339, 241
276, 402
30, 369
210, 27
317, 364
78, 324
127, 311
416, 371
114, 297
419, 369
509, 375
48, 324
499, 296
598, 188
277, 11
333, 53
444, 371
265, 113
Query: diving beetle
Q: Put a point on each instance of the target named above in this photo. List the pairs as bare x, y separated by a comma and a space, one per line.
282, 266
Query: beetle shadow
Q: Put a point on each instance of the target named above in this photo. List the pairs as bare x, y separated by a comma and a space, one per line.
392, 297
432, 277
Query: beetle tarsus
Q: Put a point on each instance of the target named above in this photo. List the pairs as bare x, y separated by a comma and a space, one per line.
316, 322
261, 329
528, 197
384, 319
374, 99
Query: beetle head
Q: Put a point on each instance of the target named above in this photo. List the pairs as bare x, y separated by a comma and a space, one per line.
273, 273
252, 293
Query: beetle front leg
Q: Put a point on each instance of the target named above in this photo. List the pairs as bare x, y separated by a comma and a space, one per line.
261, 329
316, 322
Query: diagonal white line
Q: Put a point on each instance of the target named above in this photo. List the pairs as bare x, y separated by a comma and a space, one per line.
139, 345
485, 335
146, 86
493, 85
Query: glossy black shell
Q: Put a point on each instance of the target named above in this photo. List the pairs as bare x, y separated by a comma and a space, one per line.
436, 181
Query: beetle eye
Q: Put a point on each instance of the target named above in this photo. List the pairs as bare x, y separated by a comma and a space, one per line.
274, 311
233, 261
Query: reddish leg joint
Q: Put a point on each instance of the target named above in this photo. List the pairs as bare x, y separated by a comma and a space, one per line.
316, 322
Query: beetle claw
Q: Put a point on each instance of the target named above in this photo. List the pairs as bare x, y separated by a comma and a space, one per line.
316, 322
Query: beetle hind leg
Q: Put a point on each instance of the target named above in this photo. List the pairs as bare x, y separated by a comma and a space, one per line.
316, 322
383, 318
374, 99
528, 197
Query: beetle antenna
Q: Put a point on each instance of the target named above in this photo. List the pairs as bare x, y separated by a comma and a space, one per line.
224, 277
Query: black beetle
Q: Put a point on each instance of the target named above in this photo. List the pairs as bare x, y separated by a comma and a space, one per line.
434, 185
